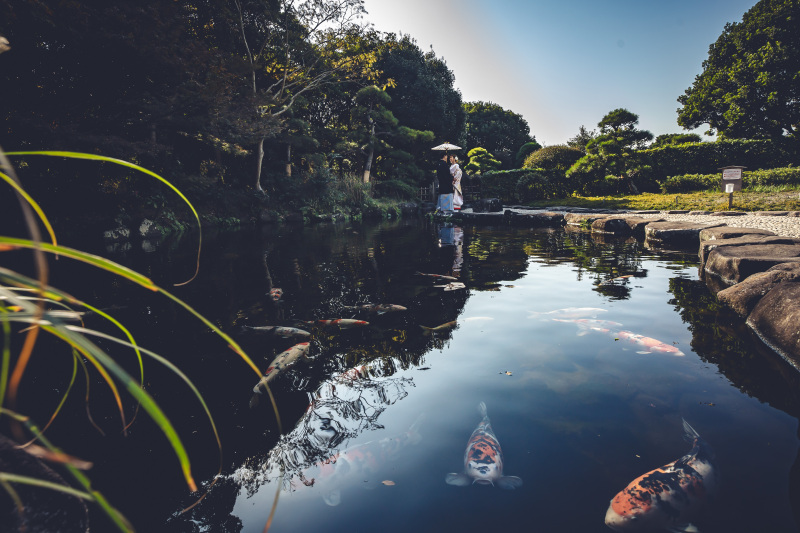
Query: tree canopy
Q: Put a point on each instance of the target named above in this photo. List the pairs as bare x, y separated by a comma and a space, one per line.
750, 84
500, 131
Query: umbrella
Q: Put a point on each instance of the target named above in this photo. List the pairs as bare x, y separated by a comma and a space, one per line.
446, 147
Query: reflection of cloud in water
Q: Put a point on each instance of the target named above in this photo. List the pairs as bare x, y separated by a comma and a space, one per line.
341, 408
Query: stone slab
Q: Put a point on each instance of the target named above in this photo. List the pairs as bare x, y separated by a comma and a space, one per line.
771, 213
580, 219
728, 214
733, 264
776, 320
682, 235
530, 220
707, 246
744, 296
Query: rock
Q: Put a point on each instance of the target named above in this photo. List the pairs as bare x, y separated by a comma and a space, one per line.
611, 224
534, 219
645, 212
776, 320
45, 510
487, 205
148, 229
579, 219
728, 232
793, 214
771, 213
733, 264
674, 234
707, 246
676, 212
744, 296
699, 212
728, 214
115, 235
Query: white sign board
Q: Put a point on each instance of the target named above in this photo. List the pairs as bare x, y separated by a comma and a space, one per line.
732, 174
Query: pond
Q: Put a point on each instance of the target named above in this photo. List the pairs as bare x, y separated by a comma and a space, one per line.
587, 355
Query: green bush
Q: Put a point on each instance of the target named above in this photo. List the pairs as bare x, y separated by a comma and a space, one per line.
502, 184
556, 157
708, 158
523, 185
711, 182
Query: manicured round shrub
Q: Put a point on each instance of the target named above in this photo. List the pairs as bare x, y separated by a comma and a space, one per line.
557, 157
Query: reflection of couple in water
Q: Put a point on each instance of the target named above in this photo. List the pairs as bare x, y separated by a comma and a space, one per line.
449, 175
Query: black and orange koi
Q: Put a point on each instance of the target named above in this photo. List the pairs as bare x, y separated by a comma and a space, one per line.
437, 276
668, 497
483, 459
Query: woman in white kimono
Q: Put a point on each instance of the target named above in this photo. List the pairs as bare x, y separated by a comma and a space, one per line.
455, 171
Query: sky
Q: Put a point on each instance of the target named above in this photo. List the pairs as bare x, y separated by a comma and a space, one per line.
566, 63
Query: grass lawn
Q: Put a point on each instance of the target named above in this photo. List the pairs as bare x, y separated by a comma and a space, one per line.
696, 201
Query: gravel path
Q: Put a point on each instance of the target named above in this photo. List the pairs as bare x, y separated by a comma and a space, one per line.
783, 226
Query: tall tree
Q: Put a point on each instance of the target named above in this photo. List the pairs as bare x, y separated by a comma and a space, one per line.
582, 138
500, 131
610, 153
750, 84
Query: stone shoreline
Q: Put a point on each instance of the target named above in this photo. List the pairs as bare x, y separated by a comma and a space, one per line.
750, 261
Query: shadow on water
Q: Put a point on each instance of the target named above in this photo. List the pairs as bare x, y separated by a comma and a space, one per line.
578, 407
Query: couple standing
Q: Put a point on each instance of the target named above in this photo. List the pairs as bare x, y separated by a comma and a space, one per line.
449, 174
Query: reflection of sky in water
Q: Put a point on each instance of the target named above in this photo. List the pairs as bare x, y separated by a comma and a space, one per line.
578, 416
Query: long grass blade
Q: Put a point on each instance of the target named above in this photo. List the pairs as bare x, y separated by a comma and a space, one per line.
36, 482
93, 157
116, 517
33, 205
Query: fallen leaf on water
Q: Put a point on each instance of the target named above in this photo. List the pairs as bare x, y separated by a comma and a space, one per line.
388, 483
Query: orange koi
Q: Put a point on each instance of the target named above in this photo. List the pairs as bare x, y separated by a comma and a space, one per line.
668, 497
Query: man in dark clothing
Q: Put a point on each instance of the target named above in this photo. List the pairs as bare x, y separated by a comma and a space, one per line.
445, 202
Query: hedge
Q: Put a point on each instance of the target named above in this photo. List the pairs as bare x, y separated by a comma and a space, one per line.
709, 157
711, 182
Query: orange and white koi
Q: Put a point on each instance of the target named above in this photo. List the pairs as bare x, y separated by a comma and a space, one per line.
341, 323
281, 361
275, 294
483, 459
377, 309
668, 497
358, 464
452, 286
280, 331
608, 327
438, 276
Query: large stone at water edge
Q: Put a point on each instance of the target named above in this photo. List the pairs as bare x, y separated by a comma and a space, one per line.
733, 264
728, 232
530, 220
579, 219
776, 320
675, 234
487, 205
745, 240
744, 296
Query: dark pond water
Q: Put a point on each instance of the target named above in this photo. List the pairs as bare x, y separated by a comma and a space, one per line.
579, 408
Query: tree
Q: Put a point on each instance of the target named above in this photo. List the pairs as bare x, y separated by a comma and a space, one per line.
750, 86
610, 153
524, 151
480, 161
675, 138
500, 131
582, 138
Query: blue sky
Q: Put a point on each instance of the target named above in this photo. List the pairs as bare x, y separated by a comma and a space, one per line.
566, 63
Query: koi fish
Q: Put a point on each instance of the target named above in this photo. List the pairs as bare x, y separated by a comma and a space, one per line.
452, 286
667, 498
483, 459
281, 361
652, 345
447, 326
605, 326
341, 323
357, 464
275, 294
568, 312
438, 276
377, 309
281, 331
